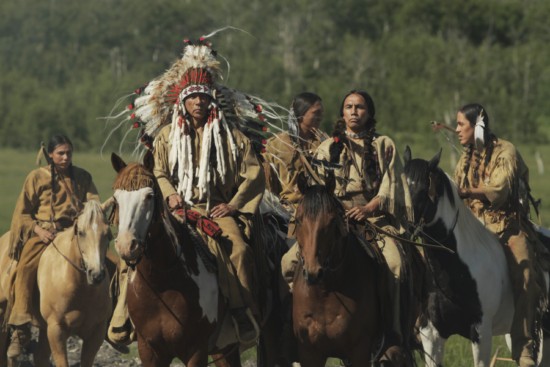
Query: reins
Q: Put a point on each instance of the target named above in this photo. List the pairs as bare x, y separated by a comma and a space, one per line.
437, 245
81, 269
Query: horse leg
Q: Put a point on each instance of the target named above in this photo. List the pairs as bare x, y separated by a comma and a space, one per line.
229, 357
482, 349
149, 358
433, 345
41, 355
57, 338
362, 354
3, 341
311, 358
91, 344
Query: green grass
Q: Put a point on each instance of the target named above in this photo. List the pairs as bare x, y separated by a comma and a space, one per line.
15, 165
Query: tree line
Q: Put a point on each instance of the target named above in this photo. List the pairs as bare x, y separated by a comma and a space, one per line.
64, 63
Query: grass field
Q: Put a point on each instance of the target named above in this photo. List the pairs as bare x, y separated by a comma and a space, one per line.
15, 165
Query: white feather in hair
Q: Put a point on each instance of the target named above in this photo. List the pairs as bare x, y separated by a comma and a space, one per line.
479, 132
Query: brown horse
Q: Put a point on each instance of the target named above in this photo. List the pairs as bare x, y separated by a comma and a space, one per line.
336, 306
173, 296
74, 289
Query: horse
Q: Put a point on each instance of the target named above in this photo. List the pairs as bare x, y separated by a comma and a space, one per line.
173, 296
336, 300
73, 283
469, 292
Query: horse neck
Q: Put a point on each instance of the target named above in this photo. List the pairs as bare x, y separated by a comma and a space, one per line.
161, 254
65, 242
460, 223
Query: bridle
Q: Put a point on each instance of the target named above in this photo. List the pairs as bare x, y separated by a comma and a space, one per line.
83, 268
329, 265
423, 223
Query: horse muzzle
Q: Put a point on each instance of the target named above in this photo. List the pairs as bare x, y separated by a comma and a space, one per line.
95, 277
129, 248
313, 278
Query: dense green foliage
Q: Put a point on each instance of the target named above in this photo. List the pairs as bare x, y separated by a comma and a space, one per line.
65, 63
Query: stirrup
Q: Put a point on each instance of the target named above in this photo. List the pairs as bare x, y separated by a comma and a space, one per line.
252, 320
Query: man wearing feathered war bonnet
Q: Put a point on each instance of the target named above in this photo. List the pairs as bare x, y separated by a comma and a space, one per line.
204, 162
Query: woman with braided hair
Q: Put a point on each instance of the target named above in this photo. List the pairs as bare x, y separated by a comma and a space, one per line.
493, 180
371, 184
50, 200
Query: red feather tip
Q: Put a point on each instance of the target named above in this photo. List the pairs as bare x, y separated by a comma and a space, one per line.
202, 39
130, 107
336, 139
133, 116
136, 125
258, 108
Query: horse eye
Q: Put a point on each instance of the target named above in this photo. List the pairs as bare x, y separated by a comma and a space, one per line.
81, 233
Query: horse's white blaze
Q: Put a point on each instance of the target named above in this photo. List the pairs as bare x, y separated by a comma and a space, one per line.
208, 291
130, 203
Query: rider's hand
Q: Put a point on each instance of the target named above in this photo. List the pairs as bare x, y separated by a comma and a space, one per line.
175, 201
222, 210
358, 213
44, 235
361, 213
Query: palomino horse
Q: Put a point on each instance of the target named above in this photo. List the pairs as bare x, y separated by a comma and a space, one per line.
173, 298
336, 304
470, 292
74, 288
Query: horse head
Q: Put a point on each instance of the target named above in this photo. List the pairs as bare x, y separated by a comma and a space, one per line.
423, 178
320, 228
92, 235
135, 194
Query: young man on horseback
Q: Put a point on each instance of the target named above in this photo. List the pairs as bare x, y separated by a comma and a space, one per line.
493, 180
371, 184
287, 154
49, 202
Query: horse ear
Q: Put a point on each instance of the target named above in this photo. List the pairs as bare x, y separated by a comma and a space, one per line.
434, 162
407, 155
149, 161
302, 183
330, 181
117, 162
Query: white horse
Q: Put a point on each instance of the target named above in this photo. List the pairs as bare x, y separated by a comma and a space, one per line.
470, 292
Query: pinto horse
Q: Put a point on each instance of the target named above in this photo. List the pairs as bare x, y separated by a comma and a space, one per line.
74, 289
173, 299
336, 304
470, 292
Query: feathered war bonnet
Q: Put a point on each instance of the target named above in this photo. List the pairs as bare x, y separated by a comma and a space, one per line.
162, 102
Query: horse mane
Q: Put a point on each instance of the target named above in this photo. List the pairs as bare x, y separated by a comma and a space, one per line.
90, 214
134, 177
317, 199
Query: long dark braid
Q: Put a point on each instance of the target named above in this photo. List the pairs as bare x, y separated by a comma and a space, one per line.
371, 164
